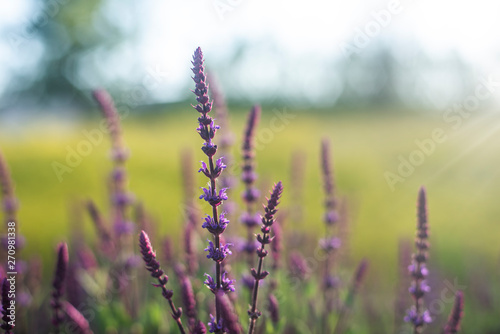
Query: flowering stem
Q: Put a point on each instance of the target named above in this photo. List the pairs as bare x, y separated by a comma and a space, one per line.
153, 266
259, 274
59, 284
418, 315
177, 319
250, 194
217, 223
217, 238
254, 315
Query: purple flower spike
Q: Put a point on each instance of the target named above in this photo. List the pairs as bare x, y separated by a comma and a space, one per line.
153, 266
188, 299
149, 257
250, 194
199, 328
215, 224
274, 309
58, 284
78, 319
331, 243
456, 315
264, 239
418, 315
229, 319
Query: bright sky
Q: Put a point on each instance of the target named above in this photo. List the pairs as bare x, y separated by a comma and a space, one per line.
314, 30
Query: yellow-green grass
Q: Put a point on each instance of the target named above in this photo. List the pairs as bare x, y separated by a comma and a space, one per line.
461, 176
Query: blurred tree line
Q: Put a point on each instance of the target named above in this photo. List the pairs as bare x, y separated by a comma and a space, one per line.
78, 40
73, 40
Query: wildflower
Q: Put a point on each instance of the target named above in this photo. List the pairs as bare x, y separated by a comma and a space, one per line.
217, 254
418, 315
215, 227
58, 285
213, 199
153, 266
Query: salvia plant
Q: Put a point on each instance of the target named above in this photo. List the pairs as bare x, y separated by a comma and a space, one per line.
98, 286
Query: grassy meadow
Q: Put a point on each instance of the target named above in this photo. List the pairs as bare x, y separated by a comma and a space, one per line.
461, 175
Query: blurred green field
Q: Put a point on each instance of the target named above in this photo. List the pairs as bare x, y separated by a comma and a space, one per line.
461, 176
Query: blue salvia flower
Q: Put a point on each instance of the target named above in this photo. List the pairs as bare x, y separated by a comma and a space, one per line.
215, 326
215, 224
217, 254
212, 197
215, 227
227, 283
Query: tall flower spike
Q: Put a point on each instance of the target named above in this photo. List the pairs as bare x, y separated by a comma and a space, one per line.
58, 285
199, 328
103, 233
267, 222
331, 215
82, 325
190, 248
215, 224
109, 112
330, 243
120, 198
153, 266
251, 194
418, 315
6, 306
189, 300
229, 317
274, 309
456, 315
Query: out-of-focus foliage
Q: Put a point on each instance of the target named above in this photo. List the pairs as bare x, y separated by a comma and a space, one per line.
77, 39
